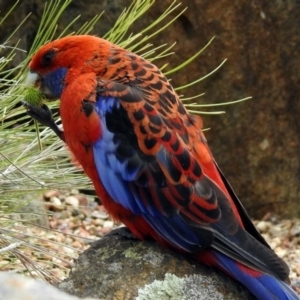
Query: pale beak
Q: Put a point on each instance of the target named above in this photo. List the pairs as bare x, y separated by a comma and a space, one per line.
33, 79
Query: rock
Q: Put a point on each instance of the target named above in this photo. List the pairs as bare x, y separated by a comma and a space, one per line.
73, 201
120, 267
281, 252
108, 224
99, 214
263, 226
55, 204
16, 287
83, 199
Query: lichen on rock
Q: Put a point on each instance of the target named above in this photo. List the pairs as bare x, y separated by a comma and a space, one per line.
171, 288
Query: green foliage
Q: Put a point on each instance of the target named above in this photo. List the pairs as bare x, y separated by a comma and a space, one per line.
34, 96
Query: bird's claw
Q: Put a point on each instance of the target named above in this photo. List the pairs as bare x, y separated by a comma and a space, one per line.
43, 115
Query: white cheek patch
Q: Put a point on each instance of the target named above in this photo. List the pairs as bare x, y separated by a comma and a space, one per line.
31, 79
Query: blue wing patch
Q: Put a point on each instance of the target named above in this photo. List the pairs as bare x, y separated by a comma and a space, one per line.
120, 175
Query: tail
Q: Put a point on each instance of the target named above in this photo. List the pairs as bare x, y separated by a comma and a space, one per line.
262, 286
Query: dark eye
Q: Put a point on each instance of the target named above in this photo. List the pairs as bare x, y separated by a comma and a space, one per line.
47, 58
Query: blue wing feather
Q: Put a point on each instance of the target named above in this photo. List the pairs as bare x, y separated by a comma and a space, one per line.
175, 230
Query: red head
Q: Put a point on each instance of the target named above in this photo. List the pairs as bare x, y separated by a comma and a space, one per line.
57, 63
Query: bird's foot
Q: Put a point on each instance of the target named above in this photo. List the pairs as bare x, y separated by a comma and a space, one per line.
43, 115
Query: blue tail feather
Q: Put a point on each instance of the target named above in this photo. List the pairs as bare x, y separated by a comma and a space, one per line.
263, 287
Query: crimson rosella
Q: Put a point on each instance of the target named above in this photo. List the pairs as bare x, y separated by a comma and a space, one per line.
149, 160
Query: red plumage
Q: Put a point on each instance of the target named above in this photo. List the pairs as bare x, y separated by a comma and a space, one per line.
149, 160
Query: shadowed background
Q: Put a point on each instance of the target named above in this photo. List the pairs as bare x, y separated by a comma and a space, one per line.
256, 143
